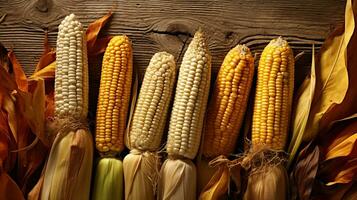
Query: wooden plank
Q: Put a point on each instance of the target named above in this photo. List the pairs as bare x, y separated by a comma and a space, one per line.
169, 25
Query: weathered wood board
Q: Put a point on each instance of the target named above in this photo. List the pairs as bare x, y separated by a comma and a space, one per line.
168, 25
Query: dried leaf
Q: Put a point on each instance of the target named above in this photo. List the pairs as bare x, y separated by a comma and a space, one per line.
8, 188
341, 140
348, 105
32, 107
48, 55
19, 73
351, 194
302, 109
48, 72
305, 170
4, 60
331, 74
93, 32
9, 107
347, 173
217, 187
100, 46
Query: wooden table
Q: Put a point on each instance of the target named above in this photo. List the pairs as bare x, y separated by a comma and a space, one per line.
169, 25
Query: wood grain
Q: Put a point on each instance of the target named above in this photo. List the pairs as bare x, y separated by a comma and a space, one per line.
169, 25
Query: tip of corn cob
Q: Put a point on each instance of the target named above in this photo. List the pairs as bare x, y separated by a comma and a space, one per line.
279, 42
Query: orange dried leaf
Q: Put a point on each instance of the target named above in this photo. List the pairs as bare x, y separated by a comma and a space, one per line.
9, 107
343, 148
47, 72
8, 188
217, 187
93, 30
45, 60
100, 46
19, 73
4, 60
347, 173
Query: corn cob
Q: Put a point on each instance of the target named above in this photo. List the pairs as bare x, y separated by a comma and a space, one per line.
229, 101
147, 127
190, 100
273, 98
113, 103
178, 172
114, 95
150, 113
71, 83
69, 167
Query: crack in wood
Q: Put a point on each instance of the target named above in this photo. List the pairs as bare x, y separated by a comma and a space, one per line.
181, 50
2, 18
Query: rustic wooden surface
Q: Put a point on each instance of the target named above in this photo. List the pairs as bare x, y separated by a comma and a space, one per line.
168, 25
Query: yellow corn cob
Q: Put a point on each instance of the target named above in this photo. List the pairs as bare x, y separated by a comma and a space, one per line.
229, 101
71, 83
114, 95
190, 99
69, 167
273, 98
147, 127
153, 102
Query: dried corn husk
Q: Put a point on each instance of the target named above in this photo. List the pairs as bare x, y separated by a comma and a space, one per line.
267, 183
69, 167
108, 179
204, 173
141, 172
178, 180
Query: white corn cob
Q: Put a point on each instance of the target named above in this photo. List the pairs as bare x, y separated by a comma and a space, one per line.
150, 114
190, 99
71, 83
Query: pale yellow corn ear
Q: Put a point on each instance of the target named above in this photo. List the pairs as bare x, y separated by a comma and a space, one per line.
71, 78
151, 109
273, 99
68, 170
67, 174
228, 102
190, 99
114, 95
141, 166
108, 180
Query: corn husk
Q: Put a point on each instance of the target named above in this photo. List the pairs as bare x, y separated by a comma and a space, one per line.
108, 181
69, 167
204, 173
217, 178
267, 183
177, 180
141, 172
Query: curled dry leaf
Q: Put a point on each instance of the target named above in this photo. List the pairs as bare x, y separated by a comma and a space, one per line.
19, 73
97, 46
8, 188
301, 111
305, 171
339, 156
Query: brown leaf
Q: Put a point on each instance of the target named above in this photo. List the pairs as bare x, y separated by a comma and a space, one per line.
217, 187
4, 60
100, 46
96, 46
32, 106
47, 72
19, 73
8, 188
94, 29
48, 55
304, 172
